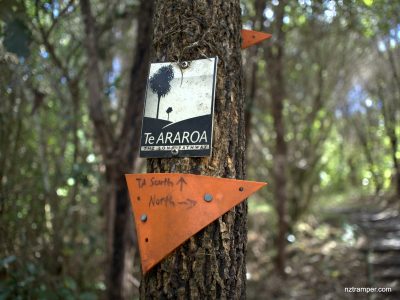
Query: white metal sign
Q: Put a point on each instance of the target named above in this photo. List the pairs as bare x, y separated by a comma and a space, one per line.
179, 108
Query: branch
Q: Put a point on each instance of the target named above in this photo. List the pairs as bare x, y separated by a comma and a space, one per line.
60, 15
95, 84
49, 47
130, 134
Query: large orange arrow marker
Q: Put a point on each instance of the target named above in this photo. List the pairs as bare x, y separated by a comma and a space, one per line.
169, 208
251, 37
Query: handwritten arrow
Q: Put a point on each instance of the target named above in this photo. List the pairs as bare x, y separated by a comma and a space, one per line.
181, 181
189, 202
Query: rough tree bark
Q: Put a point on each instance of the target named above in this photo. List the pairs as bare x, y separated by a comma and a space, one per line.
274, 58
118, 150
211, 265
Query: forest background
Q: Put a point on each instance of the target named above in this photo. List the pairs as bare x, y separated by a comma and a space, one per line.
322, 108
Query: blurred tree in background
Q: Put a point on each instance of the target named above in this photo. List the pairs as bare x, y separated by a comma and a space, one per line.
313, 109
323, 111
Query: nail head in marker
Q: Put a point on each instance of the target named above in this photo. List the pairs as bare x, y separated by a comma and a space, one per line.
184, 65
208, 197
143, 218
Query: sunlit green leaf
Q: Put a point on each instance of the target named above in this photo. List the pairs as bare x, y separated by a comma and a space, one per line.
368, 2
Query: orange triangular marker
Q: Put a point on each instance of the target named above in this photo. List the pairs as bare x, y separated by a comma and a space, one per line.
169, 208
251, 37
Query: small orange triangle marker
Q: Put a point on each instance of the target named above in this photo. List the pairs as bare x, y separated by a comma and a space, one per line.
251, 37
169, 208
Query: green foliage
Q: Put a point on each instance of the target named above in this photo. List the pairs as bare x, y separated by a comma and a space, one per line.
28, 281
17, 37
53, 197
337, 145
368, 2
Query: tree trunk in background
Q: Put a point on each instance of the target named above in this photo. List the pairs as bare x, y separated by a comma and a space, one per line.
366, 148
391, 120
396, 166
251, 84
118, 151
274, 58
211, 265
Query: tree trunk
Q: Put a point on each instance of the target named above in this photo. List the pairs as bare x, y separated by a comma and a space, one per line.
390, 121
275, 60
211, 265
396, 166
390, 125
252, 83
366, 148
118, 153
391, 132
128, 148
158, 106
119, 245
